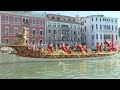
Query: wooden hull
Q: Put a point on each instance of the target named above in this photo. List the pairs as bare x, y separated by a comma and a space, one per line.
63, 59
63, 56
12, 59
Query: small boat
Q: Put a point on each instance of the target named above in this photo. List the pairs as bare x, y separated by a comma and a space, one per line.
23, 49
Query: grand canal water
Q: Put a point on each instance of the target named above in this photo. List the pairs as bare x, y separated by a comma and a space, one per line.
106, 68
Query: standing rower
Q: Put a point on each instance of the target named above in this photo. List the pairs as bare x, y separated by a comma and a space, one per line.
50, 47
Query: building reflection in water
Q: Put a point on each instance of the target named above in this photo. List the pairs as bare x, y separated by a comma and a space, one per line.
83, 67
113, 68
66, 67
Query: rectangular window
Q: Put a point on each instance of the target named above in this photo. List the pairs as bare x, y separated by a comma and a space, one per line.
49, 31
33, 33
25, 21
96, 26
115, 27
92, 37
15, 31
92, 27
81, 29
96, 36
92, 19
6, 40
41, 22
54, 24
33, 41
116, 37
74, 26
112, 20
100, 26
33, 21
7, 19
104, 36
49, 24
85, 29
109, 27
40, 33
100, 36
6, 31
15, 20
112, 27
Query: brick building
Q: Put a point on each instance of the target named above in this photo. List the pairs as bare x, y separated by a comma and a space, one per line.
11, 22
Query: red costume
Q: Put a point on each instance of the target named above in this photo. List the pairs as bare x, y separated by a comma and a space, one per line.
64, 47
79, 48
108, 46
50, 47
98, 47
68, 49
85, 48
101, 49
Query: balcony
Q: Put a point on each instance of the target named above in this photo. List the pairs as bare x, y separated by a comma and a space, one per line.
65, 27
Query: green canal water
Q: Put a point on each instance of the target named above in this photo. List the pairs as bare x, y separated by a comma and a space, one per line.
106, 68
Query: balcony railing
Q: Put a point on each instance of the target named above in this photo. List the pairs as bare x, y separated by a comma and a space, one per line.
65, 34
63, 28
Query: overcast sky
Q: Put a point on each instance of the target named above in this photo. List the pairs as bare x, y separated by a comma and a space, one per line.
114, 14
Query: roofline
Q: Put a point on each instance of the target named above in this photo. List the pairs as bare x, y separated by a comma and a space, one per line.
63, 22
23, 14
60, 15
99, 16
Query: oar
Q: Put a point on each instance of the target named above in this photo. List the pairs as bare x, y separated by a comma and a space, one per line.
53, 55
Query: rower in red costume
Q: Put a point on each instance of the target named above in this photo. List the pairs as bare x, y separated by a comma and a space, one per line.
99, 47
68, 49
50, 47
85, 48
63, 47
108, 45
79, 47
